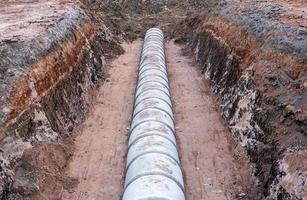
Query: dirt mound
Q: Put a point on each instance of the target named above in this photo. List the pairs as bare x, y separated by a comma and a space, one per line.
41, 173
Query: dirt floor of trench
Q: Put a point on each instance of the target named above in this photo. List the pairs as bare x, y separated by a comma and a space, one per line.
101, 145
214, 168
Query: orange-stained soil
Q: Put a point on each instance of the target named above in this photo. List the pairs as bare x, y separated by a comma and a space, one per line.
213, 167
99, 159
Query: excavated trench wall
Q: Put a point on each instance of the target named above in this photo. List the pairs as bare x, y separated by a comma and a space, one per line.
239, 98
36, 108
46, 81
251, 121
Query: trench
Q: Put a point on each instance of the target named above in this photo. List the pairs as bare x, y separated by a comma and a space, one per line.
101, 144
66, 108
213, 166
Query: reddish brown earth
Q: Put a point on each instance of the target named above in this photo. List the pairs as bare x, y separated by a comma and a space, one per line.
99, 159
214, 165
49, 161
214, 168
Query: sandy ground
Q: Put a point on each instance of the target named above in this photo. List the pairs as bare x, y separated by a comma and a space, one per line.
206, 149
99, 160
207, 153
30, 19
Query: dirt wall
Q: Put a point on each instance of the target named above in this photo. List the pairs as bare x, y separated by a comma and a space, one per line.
265, 118
252, 52
45, 93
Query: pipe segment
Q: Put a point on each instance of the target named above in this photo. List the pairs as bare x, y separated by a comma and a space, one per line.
153, 170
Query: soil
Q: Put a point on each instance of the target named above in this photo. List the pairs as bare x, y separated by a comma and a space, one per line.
260, 81
206, 148
240, 106
100, 147
16, 24
54, 158
94, 156
214, 167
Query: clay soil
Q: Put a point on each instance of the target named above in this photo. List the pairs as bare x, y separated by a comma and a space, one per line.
91, 163
100, 147
214, 168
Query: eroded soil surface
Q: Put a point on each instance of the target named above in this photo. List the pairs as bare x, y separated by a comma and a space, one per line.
249, 67
99, 159
16, 23
213, 167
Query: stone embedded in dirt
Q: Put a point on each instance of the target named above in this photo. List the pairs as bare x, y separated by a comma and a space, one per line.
241, 195
291, 172
302, 31
290, 109
25, 181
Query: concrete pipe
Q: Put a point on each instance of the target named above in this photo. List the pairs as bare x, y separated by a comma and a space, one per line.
153, 166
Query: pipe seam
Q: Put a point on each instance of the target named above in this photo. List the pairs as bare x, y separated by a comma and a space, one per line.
153, 169
155, 173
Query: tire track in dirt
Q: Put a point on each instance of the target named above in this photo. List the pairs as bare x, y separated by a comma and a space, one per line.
99, 159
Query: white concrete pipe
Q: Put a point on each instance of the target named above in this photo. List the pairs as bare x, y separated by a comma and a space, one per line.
153, 168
